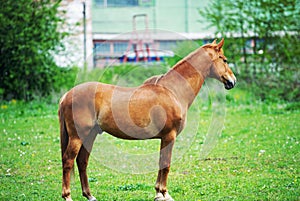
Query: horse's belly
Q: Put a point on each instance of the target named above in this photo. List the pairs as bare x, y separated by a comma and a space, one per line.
125, 128
139, 114
134, 136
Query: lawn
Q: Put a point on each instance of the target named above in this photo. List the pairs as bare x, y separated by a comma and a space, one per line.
257, 156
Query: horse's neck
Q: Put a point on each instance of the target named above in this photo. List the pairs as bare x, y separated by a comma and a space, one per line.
187, 76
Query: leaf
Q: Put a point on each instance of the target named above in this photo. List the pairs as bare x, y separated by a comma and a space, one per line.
92, 179
24, 143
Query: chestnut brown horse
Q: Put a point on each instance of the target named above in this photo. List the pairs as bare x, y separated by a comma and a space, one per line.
155, 110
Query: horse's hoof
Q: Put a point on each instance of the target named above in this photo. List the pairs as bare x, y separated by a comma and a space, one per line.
92, 199
163, 199
159, 197
168, 197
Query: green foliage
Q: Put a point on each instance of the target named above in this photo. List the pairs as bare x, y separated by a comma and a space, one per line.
124, 75
260, 17
279, 87
182, 49
133, 187
28, 38
63, 78
263, 36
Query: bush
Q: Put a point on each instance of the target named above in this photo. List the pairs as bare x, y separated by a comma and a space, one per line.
281, 85
181, 50
124, 75
28, 38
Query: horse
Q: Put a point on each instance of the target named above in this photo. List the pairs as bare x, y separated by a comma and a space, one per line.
157, 109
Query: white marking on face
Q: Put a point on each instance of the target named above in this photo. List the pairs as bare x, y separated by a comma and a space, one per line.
232, 79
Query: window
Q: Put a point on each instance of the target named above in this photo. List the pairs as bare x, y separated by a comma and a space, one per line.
117, 3
146, 3
110, 48
167, 45
120, 47
124, 3
102, 48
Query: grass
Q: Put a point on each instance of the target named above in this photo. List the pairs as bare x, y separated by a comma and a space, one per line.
257, 157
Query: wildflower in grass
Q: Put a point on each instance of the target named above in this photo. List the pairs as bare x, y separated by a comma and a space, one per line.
3, 107
261, 152
237, 97
13, 101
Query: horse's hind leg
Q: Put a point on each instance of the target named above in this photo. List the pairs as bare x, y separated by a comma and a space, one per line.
68, 164
82, 163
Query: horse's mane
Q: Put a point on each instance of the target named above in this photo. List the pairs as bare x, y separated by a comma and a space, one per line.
154, 79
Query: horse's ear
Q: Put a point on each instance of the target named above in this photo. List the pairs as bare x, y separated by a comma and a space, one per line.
220, 45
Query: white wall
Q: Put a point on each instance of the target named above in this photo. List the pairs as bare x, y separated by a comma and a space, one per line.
73, 55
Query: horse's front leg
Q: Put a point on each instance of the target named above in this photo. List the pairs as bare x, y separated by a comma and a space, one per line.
166, 147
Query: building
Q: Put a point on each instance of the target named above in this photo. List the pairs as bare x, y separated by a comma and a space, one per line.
126, 30
135, 26
79, 45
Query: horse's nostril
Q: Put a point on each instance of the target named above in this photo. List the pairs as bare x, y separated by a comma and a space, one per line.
229, 84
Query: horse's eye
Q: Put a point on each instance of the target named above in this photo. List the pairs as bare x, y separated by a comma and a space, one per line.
224, 60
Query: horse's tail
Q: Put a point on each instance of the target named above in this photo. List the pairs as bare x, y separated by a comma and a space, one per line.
64, 136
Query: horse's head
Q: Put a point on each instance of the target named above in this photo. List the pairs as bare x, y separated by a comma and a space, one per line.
219, 68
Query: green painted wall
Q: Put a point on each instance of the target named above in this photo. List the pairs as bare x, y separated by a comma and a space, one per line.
171, 15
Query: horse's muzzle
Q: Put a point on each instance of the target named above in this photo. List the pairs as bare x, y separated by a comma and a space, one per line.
229, 82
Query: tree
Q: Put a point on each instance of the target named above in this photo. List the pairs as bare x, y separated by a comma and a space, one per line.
264, 34
29, 35
262, 20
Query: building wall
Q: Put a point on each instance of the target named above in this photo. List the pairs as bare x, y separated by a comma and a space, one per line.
109, 27
74, 44
117, 20
169, 21
171, 15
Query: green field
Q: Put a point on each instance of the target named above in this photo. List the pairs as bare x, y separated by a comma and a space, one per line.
257, 157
